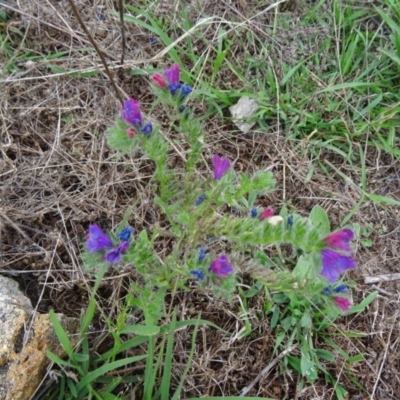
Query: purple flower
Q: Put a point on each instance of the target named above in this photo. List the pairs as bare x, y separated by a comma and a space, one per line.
334, 264
254, 212
198, 274
125, 234
221, 165
221, 266
132, 115
172, 74
343, 303
97, 239
131, 112
340, 240
114, 256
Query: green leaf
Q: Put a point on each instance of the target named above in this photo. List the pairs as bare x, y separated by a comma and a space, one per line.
325, 354
62, 335
320, 220
307, 368
383, 199
363, 305
107, 368
72, 388
57, 360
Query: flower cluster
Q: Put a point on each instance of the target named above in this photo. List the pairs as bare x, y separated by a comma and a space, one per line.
342, 302
170, 81
220, 266
336, 257
132, 115
99, 241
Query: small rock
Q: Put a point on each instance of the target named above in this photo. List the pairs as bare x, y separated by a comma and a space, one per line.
22, 365
244, 108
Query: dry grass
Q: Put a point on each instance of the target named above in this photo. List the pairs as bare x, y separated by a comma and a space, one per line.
57, 175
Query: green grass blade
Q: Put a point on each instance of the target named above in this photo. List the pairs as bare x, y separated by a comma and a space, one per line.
62, 336
166, 379
188, 364
92, 376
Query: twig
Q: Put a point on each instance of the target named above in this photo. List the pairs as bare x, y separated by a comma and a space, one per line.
265, 371
99, 52
380, 290
382, 278
121, 18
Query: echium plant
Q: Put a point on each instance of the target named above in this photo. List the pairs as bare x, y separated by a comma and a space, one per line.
209, 243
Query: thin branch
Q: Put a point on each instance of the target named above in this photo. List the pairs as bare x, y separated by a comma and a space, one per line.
99, 52
265, 371
121, 18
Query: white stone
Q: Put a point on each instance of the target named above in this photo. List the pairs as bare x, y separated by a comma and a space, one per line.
244, 108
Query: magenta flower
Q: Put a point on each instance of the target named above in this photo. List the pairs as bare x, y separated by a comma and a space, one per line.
340, 240
97, 239
221, 165
343, 303
115, 255
268, 212
221, 266
334, 264
158, 79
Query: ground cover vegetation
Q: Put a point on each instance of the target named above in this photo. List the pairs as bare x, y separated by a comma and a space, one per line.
203, 261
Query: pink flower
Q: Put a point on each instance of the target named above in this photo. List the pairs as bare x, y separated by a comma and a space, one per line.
158, 79
130, 132
268, 212
340, 240
221, 165
343, 303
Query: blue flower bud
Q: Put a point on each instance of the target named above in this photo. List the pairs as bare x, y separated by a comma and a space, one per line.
327, 291
147, 129
174, 87
201, 199
202, 254
185, 90
125, 234
254, 212
198, 274
342, 288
